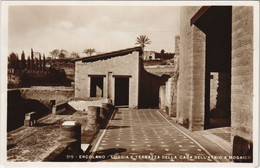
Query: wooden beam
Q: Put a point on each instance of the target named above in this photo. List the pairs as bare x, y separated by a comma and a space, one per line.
122, 76
96, 75
201, 12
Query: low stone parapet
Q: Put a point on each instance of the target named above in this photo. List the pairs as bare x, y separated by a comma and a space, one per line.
61, 136
82, 105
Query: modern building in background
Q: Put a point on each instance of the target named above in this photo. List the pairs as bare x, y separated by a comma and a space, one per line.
149, 55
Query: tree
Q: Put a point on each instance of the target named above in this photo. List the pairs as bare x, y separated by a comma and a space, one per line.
143, 40
74, 55
62, 54
162, 51
162, 54
17, 64
36, 64
28, 63
32, 60
54, 53
89, 51
44, 62
12, 58
23, 64
13, 62
40, 61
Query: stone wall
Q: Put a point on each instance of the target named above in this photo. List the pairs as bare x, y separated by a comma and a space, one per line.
169, 94
242, 72
82, 105
121, 65
162, 99
198, 80
48, 93
149, 88
160, 70
191, 85
213, 90
176, 75
168, 90
37, 99
190, 92
220, 95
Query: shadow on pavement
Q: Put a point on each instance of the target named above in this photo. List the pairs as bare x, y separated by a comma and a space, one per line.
117, 119
117, 127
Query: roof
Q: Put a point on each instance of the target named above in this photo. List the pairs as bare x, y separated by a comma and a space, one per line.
109, 55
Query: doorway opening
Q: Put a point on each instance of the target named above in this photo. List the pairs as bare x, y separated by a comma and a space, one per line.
216, 23
122, 91
96, 87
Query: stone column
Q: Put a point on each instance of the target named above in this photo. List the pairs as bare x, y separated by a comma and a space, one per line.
105, 86
93, 118
53, 109
70, 132
103, 115
88, 86
112, 89
109, 77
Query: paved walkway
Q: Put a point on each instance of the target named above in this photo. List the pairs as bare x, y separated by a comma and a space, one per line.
146, 135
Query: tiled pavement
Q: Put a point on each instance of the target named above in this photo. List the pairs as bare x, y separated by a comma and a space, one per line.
145, 135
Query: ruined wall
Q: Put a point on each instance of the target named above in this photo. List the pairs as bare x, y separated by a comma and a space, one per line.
220, 96
82, 105
169, 93
175, 77
190, 92
17, 107
162, 102
121, 65
37, 99
213, 90
149, 88
160, 70
45, 94
242, 72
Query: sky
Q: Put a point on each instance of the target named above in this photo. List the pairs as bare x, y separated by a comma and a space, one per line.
104, 28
